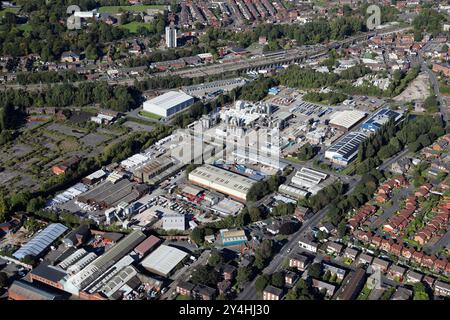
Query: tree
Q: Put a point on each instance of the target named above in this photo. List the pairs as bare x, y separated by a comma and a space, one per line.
342, 228
3, 279
420, 292
261, 282
255, 214
243, 276
34, 204
205, 275
215, 258
277, 279
306, 152
288, 228
327, 276
4, 208
315, 270
197, 235
32, 225
243, 218
292, 294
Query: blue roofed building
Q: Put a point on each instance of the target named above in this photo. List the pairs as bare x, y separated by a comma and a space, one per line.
233, 237
381, 117
346, 149
41, 242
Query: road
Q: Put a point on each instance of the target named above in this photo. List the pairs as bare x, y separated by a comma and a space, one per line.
435, 84
441, 243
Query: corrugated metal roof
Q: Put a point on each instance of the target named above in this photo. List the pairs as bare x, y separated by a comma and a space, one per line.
41, 241
169, 99
163, 259
147, 244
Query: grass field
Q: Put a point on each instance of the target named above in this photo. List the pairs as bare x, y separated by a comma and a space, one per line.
138, 8
13, 10
150, 115
25, 27
134, 26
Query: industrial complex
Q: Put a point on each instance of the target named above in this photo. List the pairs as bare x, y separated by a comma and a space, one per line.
168, 103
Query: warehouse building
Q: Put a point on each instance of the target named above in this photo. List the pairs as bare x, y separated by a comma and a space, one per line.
96, 268
309, 180
346, 149
24, 290
48, 275
163, 260
168, 103
109, 194
174, 221
223, 181
123, 282
227, 207
345, 120
153, 168
292, 191
381, 117
36, 246
147, 245
233, 237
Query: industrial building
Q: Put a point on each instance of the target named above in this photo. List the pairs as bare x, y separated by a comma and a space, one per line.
163, 260
381, 117
125, 281
174, 221
36, 246
233, 237
150, 170
25, 290
147, 245
345, 120
309, 180
346, 149
227, 207
223, 181
109, 194
168, 103
98, 267
292, 191
171, 36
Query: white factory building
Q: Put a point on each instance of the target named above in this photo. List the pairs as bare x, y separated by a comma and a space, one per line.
345, 120
346, 149
163, 260
309, 179
168, 103
223, 181
174, 221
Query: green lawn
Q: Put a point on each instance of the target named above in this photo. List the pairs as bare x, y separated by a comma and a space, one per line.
13, 10
25, 27
138, 8
150, 115
364, 294
183, 297
347, 261
134, 26
294, 159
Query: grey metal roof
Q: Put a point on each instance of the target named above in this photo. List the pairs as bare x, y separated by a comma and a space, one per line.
348, 145
34, 291
41, 241
48, 272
